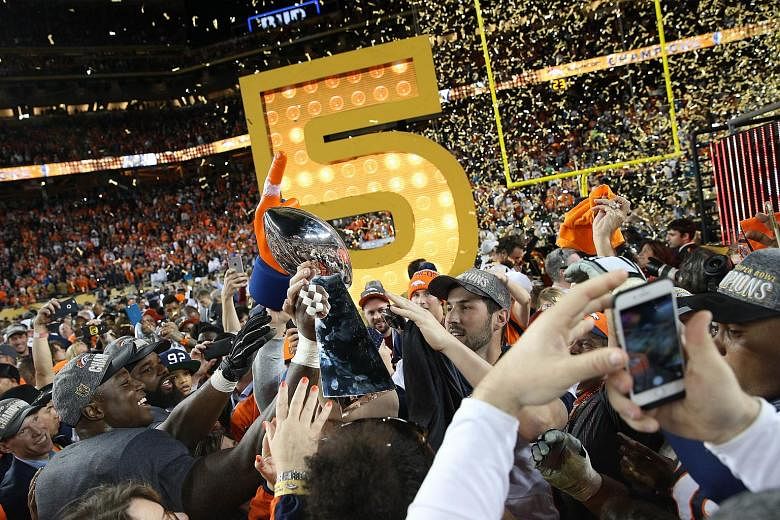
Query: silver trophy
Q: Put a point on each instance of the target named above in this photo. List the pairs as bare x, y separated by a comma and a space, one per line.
350, 366
295, 236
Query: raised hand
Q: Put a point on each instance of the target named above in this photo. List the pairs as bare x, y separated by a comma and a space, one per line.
539, 367
249, 340
294, 306
434, 332
295, 434
715, 408
758, 236
45, 313
233, 281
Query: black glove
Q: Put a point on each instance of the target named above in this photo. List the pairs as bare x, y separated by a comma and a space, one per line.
249, 340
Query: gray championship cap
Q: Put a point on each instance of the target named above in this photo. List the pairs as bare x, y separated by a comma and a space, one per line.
12, 414
134, 350
16, 328
476, 281
76, 383
749, 292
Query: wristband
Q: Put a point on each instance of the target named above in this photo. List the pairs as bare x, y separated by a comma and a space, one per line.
307, 353
292, 475
40, 335
290, 487
219, 383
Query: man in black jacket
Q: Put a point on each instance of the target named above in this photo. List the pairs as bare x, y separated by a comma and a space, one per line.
24, 434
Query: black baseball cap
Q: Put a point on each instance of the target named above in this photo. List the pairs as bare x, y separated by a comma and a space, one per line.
9, 371
373, 289
475, 281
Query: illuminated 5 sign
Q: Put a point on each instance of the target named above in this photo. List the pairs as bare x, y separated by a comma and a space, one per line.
308, 110
284, 16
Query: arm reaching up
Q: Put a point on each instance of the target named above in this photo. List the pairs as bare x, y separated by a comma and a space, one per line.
41, 353
193, 418
480, 441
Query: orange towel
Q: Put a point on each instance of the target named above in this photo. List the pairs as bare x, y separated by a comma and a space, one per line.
753, 224
271, 198
577, 229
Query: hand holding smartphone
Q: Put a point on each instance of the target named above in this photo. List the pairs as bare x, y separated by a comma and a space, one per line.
648, 330
67, 308
392, 319
235, 262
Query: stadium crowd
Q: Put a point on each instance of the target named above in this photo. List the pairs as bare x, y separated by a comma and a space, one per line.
128, 405
506, 391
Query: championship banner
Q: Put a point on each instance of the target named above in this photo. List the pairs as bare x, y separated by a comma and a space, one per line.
18, 173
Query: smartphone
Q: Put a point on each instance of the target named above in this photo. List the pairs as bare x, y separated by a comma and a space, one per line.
392, 319
93, 330
235, 263
648, 329
134, 314
218, 348
67, 308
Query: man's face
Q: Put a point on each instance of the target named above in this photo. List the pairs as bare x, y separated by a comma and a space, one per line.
498, 256
32, 441
6, 383
172, 310
152, 374
148, 324
123, 402
675, 239
19, 342
50, 418
182, 380
572, 258
205, 301
429, 302
749, 348
373, 313
516, 256
468, 319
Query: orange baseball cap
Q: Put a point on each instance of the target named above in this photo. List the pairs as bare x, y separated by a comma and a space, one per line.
600, 324
420, 281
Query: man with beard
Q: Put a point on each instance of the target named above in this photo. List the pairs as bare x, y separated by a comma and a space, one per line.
373, 301
143, 363
478, 310
96, 394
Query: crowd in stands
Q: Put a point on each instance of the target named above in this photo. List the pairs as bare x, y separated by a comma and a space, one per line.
510, 372
116, 133
361, 231
123, 238
504, 391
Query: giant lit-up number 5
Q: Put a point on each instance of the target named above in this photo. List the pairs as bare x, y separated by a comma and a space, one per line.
297, 108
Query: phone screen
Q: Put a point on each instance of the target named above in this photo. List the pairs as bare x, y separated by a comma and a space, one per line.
652, 343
